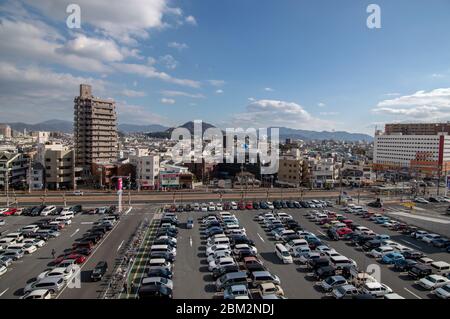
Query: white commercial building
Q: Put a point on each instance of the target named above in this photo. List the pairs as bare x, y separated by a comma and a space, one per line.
147, 169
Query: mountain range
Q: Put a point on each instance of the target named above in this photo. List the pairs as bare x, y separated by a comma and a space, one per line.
163, 131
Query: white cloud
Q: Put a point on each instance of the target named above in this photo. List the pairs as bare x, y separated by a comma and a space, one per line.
328, 113
168, 61
167, 101
23, 90
132, 93
123, 20
172, 93
137, 114
437, 75
177, 45
321, 104
266, 113
268, 89
191, 20
219, 91
431, 105
149, 71
392, 94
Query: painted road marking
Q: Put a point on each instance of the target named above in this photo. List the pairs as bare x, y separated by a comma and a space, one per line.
430, 219
190, 240
128, 210
410, 243
4, 291
75, 232
418, 297
260, 237
86, 223
120, 245
92, 254
322, 233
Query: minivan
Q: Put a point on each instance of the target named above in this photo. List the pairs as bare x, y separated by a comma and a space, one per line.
440, 268
232, 278
283, 254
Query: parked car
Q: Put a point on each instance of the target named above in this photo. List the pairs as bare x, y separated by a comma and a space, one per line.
432, 282
99, 271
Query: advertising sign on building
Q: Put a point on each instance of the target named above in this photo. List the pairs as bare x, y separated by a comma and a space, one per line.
119, 184
169, 178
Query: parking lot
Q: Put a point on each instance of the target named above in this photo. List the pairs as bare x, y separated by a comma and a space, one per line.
109, 249
191, 277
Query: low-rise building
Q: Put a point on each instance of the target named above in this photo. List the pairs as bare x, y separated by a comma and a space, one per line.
13, 170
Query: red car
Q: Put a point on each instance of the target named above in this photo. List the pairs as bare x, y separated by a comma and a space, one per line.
348, 222
79, 259
331, 214
249, 205
241, 205
10, 211
341, 232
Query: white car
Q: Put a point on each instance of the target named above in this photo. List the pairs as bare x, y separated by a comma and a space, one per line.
300, 251
49, 210
211, 207
376, 289
3, 269
38, 294
443, 292
211, 250
29, 248
64, 272
219, 207
234, 206
322, 249
432, 282
3, 210
196, 206
296, 243
430, 237
421, 200
34, 241
217, 255
270, 205
2, 222
30, 229
240, 247
223, 261
204, 207
77, 193
381, 251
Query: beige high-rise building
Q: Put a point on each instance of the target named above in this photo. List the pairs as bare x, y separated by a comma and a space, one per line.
95, 129
59, 170
5, 130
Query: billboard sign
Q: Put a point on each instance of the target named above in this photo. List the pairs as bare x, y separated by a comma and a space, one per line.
169, 178
119, 184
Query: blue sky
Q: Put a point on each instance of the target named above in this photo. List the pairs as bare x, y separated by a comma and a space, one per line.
300, 64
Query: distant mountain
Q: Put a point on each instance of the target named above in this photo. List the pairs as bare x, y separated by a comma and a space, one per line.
50, 125
132, 128
324, 135
188, 125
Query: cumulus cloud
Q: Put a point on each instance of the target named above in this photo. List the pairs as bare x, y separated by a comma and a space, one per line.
167, 101
177, 45
168, 61
191, 20
425, 105
268, 89
125, 21
265, 113
27, 89
219, 91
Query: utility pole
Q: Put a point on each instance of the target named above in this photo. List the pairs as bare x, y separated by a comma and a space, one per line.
7, 185
29, 175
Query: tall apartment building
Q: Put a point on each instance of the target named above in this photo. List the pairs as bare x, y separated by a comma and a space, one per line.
419, 148
5, 131
95, 129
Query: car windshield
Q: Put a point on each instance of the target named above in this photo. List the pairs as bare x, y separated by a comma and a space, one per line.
431, 279
446, 288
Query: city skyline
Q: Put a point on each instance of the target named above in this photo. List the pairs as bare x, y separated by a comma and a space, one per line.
229, 64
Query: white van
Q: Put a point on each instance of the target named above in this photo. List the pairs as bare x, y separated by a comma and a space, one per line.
49, 210
283, 254
5, 242
218, 241
67, 214
16, 236
340, 261
440, 268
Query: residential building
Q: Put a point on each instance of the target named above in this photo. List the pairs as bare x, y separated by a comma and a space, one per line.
13, 170
147, 170
290, 168
324, 172
5, 131
95, 129
59, 168
37, 180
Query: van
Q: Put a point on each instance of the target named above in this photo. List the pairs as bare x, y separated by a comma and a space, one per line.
440, 268
219, 241
283, 254
4, 242
16, 236
230, 279
163, 249
340, 262
261, 277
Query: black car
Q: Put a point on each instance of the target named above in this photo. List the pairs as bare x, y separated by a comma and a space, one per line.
160, 272
240, 239
318, 262
256, 205
180, 208
166, 232
325, 272
169, 220
371, 244
361, 240
82, 251
419, 271
154, 292
245, 253
376, 204
99, 271
37, 210
213, 231
404, 265
297, 204
255, 267
219, 272
188, 208
263, 205
290, 204
288, 238
164, 255
413, 254
77, 209
277, 205
284, 204
441, 242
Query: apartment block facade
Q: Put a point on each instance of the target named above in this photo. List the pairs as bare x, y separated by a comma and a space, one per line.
13, 170
95, 129
147, 170
59, 168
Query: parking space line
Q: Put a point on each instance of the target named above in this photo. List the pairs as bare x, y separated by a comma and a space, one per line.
120, 245
410, 243
260, 237
3, 292
418, 297
76, 231
92, 254
190, 240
